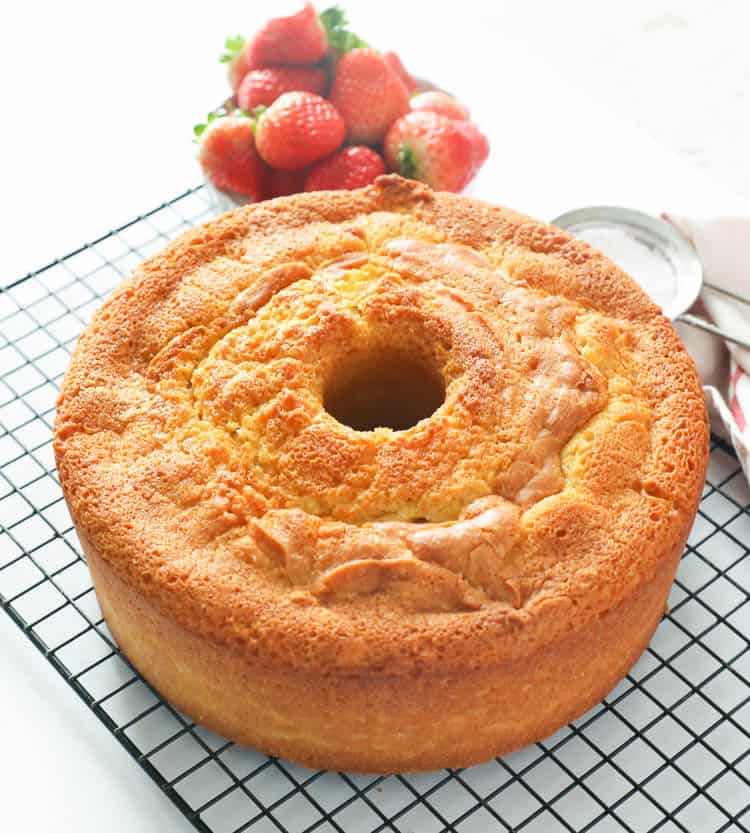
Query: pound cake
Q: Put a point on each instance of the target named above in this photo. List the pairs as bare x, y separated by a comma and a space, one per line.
381, 480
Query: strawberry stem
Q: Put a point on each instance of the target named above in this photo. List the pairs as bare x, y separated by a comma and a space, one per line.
407, 163
198, 129
339, 37
232, 48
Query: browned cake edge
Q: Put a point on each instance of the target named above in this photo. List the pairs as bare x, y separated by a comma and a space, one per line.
383, 723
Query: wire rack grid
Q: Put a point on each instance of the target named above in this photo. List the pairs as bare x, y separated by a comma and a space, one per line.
668, 749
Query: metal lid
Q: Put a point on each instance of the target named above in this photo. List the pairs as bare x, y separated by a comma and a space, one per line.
651, 250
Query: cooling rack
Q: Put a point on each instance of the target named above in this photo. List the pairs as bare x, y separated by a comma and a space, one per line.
668, 749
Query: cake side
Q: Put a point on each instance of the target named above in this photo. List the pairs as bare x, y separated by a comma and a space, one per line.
382, 722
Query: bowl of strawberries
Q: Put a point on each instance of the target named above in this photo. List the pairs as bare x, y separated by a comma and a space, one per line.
314, 107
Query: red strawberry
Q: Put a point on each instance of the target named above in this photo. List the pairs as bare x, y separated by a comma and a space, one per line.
368, 94
227, 154
444, 153
235, 58
481, 145
298, 129
352, 167
439, 102
296, 39
264, 86
394, 62
283, 183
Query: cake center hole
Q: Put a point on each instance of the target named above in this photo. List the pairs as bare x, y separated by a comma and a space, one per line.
383, 389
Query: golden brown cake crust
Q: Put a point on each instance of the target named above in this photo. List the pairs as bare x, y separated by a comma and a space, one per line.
554, 485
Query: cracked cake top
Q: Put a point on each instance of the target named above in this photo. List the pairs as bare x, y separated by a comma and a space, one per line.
380, 428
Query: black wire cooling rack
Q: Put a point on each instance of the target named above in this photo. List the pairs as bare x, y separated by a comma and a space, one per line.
668, 749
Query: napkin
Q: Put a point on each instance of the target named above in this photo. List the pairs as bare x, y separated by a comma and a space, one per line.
723, 245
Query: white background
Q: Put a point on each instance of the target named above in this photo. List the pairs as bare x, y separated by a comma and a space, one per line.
99, 100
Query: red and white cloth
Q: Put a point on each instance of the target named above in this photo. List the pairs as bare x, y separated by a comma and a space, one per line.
723, 245
739, 398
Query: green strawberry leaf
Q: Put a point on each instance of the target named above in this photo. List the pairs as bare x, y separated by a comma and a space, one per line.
258, 111
339, 37
199, 129
333, 17
232, 48
407, 163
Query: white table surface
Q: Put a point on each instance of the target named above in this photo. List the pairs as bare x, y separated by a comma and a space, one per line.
97, 129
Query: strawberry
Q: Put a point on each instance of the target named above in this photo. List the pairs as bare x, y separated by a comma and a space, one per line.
481, 145
296, 39
394, 62
298, 129
283, 183
439, 102
444, 153
264, 86
227, 154
368, 94
236, 60
349, 168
